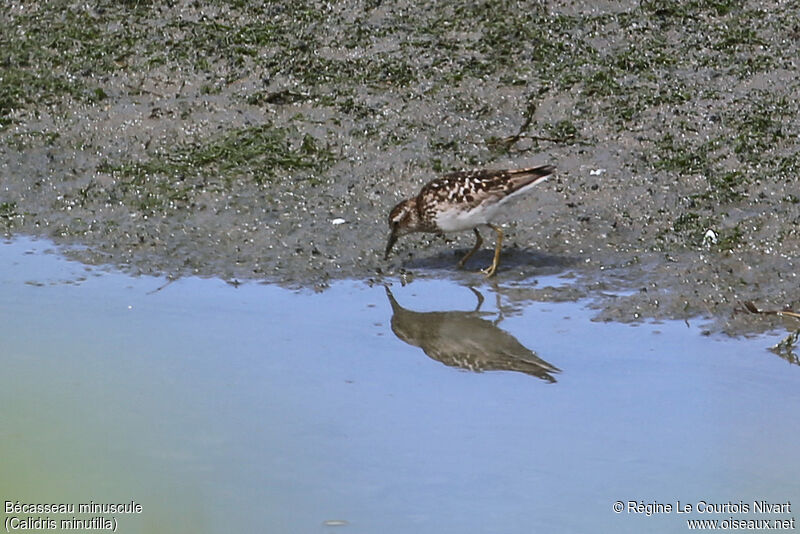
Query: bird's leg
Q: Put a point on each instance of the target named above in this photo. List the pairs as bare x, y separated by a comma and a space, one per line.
478, 243
480, 298
489, 271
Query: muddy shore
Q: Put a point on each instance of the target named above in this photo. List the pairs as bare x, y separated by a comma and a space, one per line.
268, 143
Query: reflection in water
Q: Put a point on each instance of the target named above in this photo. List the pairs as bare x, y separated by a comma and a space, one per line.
465, 340
786, 348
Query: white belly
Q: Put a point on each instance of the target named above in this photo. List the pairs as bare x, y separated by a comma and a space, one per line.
457, 221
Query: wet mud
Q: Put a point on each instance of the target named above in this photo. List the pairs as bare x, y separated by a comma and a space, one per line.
268, 143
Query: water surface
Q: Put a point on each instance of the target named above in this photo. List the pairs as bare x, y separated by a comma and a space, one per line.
224, 408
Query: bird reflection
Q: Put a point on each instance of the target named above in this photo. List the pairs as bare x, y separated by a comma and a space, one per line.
466, 340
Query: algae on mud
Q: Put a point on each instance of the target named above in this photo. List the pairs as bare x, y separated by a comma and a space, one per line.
222, 139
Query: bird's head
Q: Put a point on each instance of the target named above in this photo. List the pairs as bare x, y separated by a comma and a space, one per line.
403, 220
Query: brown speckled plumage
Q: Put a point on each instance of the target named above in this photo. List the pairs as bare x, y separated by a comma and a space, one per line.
469, 189
462, 201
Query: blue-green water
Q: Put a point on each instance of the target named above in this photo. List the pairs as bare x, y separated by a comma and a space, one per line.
259, 409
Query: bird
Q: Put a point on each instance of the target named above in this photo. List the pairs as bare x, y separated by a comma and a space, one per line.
462, 201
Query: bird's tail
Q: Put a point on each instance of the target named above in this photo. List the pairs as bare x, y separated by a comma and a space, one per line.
525, 178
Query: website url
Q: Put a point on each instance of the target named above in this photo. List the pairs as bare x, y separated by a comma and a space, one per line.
740, 524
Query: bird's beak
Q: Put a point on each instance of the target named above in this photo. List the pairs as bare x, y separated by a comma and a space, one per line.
390, 244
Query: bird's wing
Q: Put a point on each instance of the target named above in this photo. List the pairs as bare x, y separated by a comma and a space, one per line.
473, 188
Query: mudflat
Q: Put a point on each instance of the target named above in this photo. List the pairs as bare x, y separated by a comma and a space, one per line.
268, 142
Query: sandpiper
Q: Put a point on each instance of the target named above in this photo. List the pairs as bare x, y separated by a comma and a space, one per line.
463, 201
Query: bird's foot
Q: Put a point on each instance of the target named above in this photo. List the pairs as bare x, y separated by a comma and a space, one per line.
490, 270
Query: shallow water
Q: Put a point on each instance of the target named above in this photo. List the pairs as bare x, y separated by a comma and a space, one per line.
223, 408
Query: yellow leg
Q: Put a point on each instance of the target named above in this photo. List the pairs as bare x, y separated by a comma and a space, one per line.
490, 270
478, 243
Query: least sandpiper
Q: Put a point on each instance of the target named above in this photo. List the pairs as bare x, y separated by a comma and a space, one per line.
463, 201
